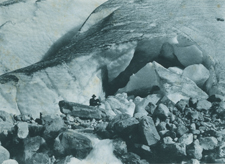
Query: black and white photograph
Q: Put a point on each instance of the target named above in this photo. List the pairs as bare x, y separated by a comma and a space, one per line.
112, 81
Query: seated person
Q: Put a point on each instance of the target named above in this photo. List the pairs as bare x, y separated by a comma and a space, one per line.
94, 102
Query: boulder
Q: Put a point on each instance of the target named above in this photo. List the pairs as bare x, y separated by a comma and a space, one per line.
177, 87
79, 110
115, 120
126, 126
181, 130
173, 151
168, 140
120, 147
162, 112
194, 150
181, 105
10, 161
208, 143
22, 130
203, 105
186, 139
147, 131
188, 55
130, 157
197, 73
4, 154
31, 146
39, 158
53, 125
72, 143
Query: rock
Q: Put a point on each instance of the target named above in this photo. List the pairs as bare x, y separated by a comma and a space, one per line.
197, 73
168, 140
214, 98
186, 139
130, 157
166, 101
193, 102
143, 151
181, 130
150, 108
101, 131
177, 87
173, 151
203, 105
35, 130
208, 143
194, 150
120, 147
188, 55
116, 119
192, 161
148, 132
22, 130
39, 158
72, 143
140, 105
181, 105
162, 112
126, 126
79, 110
161, 126
4, 154
53, 126
31, 146
10, 161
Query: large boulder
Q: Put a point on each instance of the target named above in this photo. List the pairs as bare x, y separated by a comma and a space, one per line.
194, 150
79, 110
22, 130
4, 154
208, 143
72, 143
197, 73
147, 131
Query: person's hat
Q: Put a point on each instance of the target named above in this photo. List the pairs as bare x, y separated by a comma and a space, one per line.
93, 96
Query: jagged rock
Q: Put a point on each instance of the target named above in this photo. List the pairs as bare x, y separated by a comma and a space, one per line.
10, 161
4, 154
116, 119
176, 87
161, 126
214, 98
197, 73
168, 140
126, 126
101, 131
187, 139
181, 105
140, 105
130, 157
173, 151
188, 55
35, 130
194, 150
193, 102
39, 158
208, 143
192, 161
22, 130
203, 105
162, 112
72, 143
31, 146
120, 147
181, 130
53, 126
79, 110
148, 132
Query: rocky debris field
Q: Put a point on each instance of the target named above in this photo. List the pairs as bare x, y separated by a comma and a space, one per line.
158, 131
